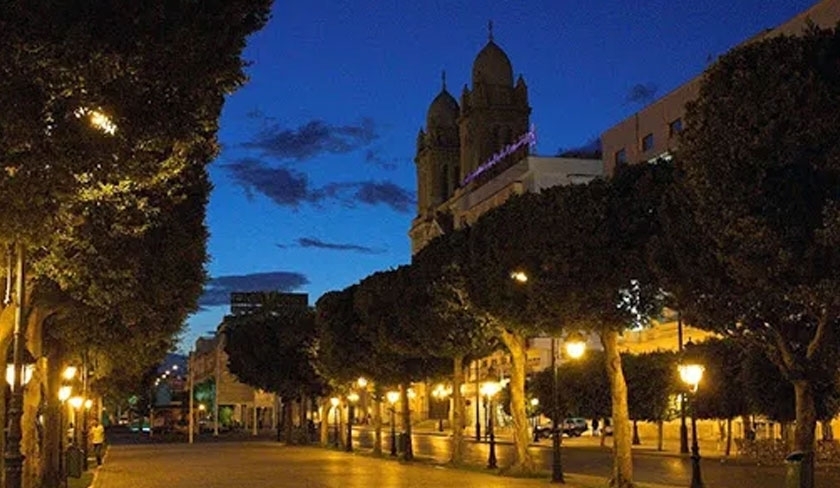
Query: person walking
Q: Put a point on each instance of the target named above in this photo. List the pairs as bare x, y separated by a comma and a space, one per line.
97, 438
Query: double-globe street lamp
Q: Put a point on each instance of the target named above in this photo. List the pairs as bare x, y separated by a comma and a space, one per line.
489, 390
691, 372
392, 397
20, 365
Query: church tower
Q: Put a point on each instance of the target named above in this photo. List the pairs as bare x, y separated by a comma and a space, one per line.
438, 154
494, 113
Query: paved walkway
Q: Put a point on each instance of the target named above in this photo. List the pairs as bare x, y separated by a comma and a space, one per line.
264, 464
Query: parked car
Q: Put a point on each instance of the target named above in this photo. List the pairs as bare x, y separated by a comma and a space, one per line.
571, 427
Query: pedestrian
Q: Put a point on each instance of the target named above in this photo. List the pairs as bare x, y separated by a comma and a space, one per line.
71, 434
97, 438
595, 427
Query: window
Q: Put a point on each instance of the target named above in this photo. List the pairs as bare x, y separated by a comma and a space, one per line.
620, 157
674, 128
647, 143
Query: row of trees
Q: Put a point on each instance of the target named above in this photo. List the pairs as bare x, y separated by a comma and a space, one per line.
739, 232
109, 120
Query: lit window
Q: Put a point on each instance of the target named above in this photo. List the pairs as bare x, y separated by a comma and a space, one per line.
647, 143
675, 127
620, 157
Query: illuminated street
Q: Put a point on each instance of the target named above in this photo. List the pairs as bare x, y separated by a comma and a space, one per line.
265, 464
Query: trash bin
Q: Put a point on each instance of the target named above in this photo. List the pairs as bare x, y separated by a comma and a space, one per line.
793, 466
73, 461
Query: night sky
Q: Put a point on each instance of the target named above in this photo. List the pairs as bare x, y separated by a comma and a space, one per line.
314, 187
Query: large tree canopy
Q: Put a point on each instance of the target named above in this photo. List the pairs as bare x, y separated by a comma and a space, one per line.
753, 225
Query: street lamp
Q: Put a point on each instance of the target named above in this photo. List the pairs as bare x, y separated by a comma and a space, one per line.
392, 397
64, 393
334, 401
352, 398
535, 403
575, 348
27, 365
691, 374
489, 390
440, 393
69, 373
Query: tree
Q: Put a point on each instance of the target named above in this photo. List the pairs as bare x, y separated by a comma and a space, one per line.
447, 324
757, 195
384, 302
76, 190
582, 388
593, 271
273, 348
650, 385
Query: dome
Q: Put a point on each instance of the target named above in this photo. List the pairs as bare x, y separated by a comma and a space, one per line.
492, 66
444, 111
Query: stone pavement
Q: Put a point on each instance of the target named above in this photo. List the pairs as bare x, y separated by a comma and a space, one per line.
260, 464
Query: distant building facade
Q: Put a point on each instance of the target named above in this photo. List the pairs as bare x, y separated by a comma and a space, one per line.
651, 133
234, 403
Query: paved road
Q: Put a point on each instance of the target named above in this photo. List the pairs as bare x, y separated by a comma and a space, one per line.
261, 464
595, 461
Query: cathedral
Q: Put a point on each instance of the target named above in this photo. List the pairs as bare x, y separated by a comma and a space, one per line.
461, 138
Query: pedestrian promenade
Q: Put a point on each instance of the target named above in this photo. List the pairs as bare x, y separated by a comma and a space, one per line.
264, 464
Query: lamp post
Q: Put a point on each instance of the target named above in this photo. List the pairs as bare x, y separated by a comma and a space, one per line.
575, 348
18, 372
440, 394
535, 403
334, 401
477, 401
64, 393
19, 369
691, 373
489, 390
352, 398
392, 397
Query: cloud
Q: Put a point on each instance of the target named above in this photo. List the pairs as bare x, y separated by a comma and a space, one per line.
373, 157
319, 244
290, 188
641, 93
285, 187
217, 291
312, 139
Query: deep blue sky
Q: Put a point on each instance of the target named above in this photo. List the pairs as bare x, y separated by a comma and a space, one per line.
314, 188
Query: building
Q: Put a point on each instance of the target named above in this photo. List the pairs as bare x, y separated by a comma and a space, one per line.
651, 132
473, 156
224, 397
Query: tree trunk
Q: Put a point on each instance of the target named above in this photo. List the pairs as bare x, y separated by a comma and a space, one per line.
827, 431
660, 435
622, 476
728, 451
516, 345
325, 422
806, 424
457, 411
377, 420
408, 450
636, 440
52, 419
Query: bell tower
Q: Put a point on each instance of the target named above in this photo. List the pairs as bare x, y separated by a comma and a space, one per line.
494, 113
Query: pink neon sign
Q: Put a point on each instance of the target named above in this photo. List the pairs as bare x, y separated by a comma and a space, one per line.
529, 138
